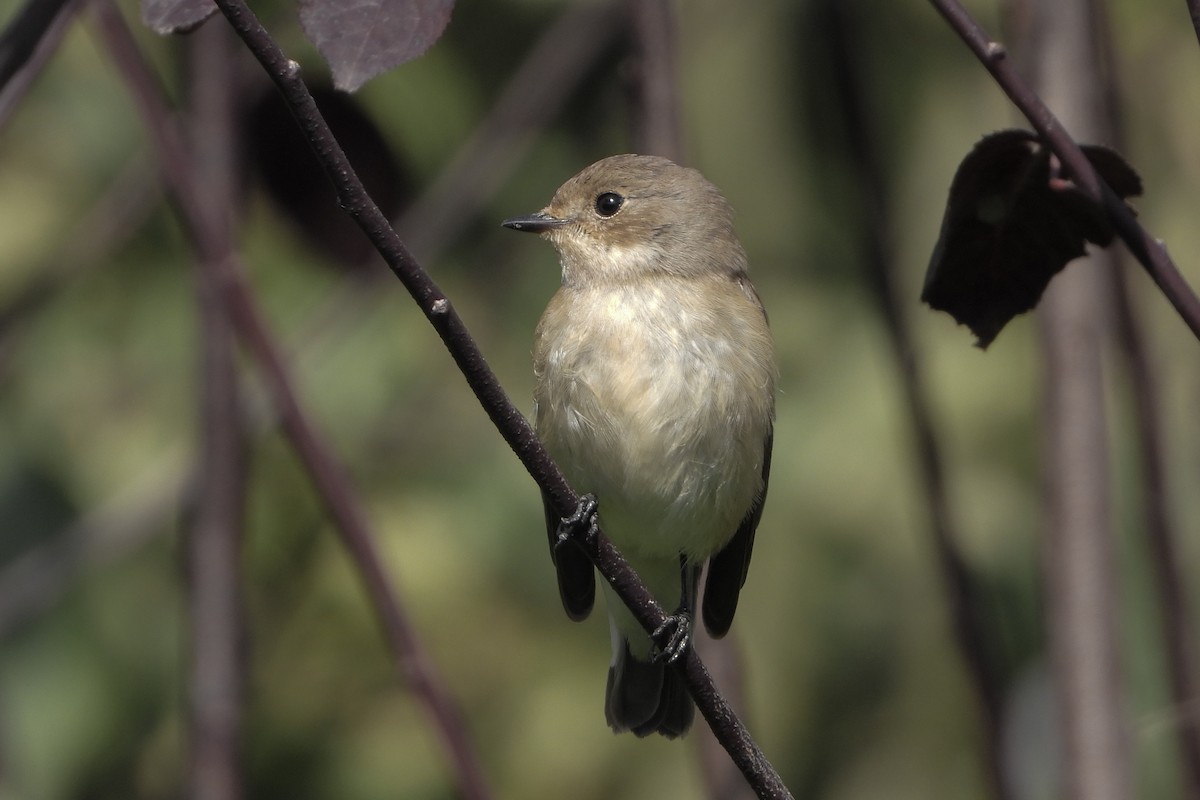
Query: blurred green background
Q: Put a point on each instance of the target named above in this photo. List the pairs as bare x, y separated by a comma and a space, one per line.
853, 686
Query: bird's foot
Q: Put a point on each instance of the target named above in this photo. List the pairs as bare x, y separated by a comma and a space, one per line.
580, 528
673, 637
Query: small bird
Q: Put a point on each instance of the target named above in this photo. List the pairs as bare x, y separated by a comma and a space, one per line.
655, 393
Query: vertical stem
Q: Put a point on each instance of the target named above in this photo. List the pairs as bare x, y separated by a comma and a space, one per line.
1178, 625
328, 476
655, 85
1079, 563
212, 540
1162, 533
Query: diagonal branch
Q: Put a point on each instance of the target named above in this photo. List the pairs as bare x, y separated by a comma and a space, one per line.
508, 419
1151, 252
327, 474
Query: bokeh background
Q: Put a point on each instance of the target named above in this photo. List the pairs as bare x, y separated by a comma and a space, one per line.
852, 683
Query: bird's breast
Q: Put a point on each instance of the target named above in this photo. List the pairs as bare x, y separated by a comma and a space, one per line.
658, 399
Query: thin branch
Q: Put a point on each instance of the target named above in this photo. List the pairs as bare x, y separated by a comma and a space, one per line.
213, 535
508, 419
327, 474
529, 100
1151, 253
962, 592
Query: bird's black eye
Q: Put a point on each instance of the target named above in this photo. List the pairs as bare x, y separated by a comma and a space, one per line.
609, 203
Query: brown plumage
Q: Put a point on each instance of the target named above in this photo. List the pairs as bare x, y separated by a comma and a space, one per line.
655, 387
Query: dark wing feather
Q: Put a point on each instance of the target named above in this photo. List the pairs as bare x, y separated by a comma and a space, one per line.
727, 569
576, 583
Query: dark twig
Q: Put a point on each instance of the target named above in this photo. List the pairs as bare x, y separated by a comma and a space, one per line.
463, 349
328, 476
213, 535
529, 100
1151, 253
969, 626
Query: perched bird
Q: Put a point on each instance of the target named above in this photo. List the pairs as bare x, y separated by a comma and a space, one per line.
655, 392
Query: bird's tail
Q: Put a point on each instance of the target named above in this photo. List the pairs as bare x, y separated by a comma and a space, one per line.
646, 697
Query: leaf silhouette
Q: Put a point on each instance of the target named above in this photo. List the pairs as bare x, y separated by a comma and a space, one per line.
175, 16
282, 159
1012, 222
364, 38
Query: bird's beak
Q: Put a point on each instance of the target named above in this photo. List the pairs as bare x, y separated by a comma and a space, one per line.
537, 222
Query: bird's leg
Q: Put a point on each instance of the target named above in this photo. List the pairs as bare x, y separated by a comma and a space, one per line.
674, 636
580, 528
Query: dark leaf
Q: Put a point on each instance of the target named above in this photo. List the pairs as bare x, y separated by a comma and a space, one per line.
175, 16
280, 155
363, 39
1012, 222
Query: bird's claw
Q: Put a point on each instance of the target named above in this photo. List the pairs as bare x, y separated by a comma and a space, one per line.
673, 637
580, 528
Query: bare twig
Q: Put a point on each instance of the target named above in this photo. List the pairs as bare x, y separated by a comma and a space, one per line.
530, 98
508, 419
328, 476
1151, 253
213, 535
962, 591
722, 780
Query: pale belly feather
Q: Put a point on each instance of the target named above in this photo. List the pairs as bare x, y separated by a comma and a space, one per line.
648, 409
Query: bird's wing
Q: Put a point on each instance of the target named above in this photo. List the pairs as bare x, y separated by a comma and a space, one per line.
727, 569
576, 582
